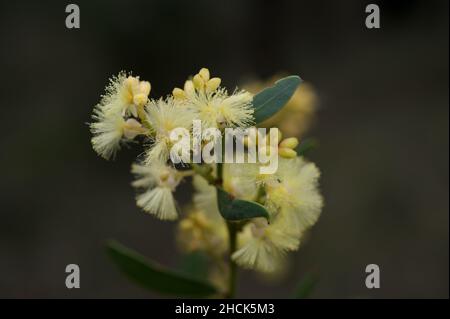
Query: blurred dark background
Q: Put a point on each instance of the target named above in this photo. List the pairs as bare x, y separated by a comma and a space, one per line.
382, 124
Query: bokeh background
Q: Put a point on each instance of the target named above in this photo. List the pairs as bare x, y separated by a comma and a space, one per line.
383, 130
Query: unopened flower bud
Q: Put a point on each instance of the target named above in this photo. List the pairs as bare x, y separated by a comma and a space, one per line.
189, 87
178, 94
291, 142
287, 152
140, 99
213, 84
204, 73
199, 83
145, 87
131, 82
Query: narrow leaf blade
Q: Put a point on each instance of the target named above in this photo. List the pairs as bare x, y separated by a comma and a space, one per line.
237, 209
272, 99
154, 277
194, 264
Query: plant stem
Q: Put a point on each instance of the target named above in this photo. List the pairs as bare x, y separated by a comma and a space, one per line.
232, 231
232, 235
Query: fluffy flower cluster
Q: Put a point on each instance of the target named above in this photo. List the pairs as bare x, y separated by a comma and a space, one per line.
291, 196
126, 113
115, 116
212, 104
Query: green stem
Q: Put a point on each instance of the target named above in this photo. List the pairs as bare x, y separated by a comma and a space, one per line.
232, 232
232, 235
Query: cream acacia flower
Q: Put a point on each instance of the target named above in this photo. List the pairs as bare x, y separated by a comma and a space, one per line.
293, 200
213, 105
159, 182
164, 115
125, 95
294, 189
241, 180
262, 245
111, 130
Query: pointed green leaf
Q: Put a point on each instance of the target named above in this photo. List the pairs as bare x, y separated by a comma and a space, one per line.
194, 264
153, 276
238, 209
272, 99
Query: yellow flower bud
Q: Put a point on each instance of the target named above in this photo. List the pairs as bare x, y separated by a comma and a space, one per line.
145, 87
287, 152
131, 82
189, 87
213, 84
199, 83
290, 142
178, 94
140, 99
204, 73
